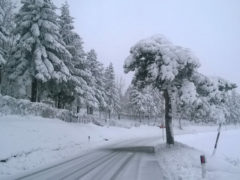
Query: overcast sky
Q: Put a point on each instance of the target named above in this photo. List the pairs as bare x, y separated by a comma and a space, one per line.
211, 28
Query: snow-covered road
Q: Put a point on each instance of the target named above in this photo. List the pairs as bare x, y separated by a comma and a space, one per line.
138, 159
133, 159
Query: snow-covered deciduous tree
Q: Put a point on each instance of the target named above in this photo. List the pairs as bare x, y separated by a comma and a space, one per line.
112, 95
40, 53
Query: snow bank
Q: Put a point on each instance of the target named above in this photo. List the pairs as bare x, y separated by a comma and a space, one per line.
182, 162
228, 145
225, 164
12, 106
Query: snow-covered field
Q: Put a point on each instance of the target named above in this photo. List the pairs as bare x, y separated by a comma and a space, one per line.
29, 143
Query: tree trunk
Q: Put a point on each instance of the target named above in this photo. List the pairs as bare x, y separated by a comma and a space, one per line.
59, 101
168, 118
180, 121
34, 90
99, 112
87, 109
0, 75
91, 110
109, 114
0, 80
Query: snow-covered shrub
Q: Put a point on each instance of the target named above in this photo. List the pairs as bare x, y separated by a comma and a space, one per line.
47, 113
10, 105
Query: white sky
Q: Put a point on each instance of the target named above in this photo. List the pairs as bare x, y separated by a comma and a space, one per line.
211, 28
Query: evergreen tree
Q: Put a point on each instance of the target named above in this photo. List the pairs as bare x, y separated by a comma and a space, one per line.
158, 100
159, 63
7, 8
40, 54
137, 102
3, 36
72, 39
6, 38
81, 75
111, 90
3, 39
97, 81
142, 102
233, 107
168, 68
150, 103
210, 103
120, 91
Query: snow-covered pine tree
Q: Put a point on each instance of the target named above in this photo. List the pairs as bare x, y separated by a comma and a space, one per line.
3, 39
158, 100
137, 102
3, 36
169, 68
211, 101
142, 103
111, 90
150, 103
40, 53
81, 75
120, 90
6, 27
97, 81
72, 39
184, 100
126, 107
7, 14
159, 63
233, 107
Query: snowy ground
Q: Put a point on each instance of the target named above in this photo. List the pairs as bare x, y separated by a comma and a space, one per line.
29, 142
225, 164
